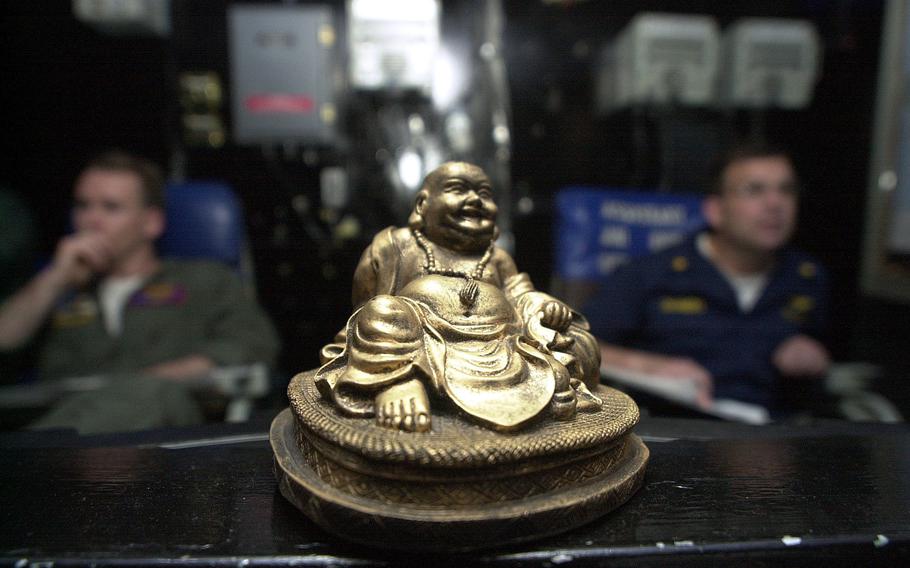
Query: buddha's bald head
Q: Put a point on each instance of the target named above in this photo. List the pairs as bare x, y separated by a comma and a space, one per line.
455, 207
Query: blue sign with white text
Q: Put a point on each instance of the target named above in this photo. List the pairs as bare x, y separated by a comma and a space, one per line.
598, 229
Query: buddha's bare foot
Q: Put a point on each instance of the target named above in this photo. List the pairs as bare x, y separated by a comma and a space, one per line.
404, 406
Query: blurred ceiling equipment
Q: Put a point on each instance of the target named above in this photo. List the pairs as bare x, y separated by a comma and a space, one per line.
660, 58
282, 74
426, 86
393, 44
769, 62
125, 17
395, 53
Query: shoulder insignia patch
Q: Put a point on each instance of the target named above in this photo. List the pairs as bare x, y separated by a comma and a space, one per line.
679, 263
807, 270
798, 308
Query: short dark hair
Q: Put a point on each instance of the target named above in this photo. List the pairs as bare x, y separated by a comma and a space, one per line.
150, 176
737, 153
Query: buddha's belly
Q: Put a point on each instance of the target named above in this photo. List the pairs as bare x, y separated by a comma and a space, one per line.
441, 295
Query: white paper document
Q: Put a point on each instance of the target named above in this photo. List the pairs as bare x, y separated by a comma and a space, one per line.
685, 392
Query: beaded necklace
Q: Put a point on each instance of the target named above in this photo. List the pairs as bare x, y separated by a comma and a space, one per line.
469, 291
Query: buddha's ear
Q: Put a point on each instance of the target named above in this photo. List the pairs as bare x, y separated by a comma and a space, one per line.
415, 220
420, 201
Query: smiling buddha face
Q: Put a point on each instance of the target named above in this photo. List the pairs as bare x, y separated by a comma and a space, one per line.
457, 207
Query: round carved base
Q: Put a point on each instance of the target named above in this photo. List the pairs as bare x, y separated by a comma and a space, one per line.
459, 486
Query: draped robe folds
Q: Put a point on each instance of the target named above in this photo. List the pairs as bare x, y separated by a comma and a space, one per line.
497, 363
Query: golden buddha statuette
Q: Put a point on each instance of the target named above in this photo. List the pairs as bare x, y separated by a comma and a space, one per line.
453, 383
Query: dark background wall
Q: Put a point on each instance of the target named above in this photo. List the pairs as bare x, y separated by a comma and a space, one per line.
68, 92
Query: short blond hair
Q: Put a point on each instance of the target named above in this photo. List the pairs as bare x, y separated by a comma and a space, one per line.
150, 176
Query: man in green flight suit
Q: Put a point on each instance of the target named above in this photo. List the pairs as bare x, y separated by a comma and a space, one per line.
108, 305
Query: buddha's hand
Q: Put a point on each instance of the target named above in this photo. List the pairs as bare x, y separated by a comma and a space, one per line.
556, 316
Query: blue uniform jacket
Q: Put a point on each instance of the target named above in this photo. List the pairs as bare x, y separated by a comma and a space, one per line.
677, 303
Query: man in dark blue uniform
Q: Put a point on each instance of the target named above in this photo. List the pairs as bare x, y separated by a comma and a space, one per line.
733, 309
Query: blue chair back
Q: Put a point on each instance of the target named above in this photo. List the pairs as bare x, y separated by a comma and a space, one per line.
204, 220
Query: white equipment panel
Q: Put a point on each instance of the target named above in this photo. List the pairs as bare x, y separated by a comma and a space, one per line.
769, 62
661, 59
393, 43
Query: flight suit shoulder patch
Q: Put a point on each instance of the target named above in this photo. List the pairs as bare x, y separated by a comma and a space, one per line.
80, 311
159, 294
